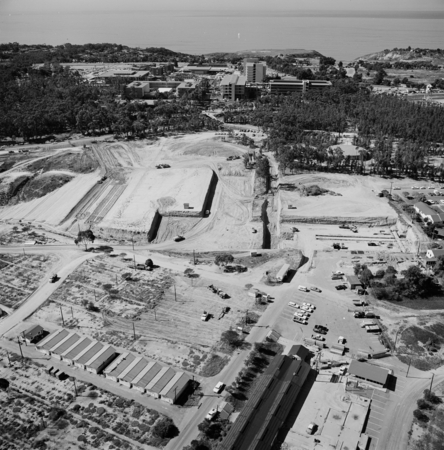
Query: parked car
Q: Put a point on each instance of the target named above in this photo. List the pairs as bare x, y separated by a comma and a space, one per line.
179, 238
307, 308
338, 272
293, 305
315, 289
211, 414
311, 429
340, 287
300, 320
359, 314
219, 387
318, 337
303, 288
205, 316
309, 305
320, 329
302, 315
372, 244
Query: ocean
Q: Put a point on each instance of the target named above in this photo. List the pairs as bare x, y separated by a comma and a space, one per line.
344, 35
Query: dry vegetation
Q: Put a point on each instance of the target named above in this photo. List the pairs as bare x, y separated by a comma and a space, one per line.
21, 275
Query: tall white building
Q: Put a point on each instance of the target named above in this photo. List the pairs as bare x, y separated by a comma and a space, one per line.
254, 70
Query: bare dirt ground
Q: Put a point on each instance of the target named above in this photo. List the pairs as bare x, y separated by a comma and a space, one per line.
164, 306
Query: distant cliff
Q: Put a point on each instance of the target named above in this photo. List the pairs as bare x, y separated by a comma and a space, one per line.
409, 55
262, 53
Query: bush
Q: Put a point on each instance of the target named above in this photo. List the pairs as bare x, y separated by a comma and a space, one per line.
431, 397
420, 416
62, 424
82, 438
165, 428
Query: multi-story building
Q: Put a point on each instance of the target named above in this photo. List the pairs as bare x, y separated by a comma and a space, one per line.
290, 85
141, 89
233, 86
254, 71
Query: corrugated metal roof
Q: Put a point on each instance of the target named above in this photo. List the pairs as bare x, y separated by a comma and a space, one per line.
368, 371
268, 407
148, 376
67, 344
90, 353
110, 351
123, 365
55, 340
163, 381
81, 345
135, 370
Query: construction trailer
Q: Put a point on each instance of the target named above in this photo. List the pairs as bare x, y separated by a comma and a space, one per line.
280, 276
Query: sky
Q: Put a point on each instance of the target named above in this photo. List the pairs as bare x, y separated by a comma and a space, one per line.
17, 6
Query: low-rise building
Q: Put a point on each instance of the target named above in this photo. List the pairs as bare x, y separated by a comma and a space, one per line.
51, 341
369, 373
353, 282
71, 353
64, 345
33, 334
428, 213
101, 359
267, 409
141, 89
83, 357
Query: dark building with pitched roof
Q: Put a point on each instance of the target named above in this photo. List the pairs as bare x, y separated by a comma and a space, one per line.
265, 412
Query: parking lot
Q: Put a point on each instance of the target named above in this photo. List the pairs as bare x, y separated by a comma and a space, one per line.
333, 310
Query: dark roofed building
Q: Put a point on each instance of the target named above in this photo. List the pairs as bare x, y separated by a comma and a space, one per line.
34, 334
259, 422
369, 372
299, 352
353, 282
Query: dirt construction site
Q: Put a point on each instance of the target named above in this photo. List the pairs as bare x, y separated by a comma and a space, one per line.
183, 201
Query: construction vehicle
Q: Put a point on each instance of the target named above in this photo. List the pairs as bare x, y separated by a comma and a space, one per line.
205, 316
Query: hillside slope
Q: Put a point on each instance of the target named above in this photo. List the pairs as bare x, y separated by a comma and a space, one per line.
435, 57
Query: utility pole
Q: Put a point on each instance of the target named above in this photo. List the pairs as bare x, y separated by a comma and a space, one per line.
175, 298
408, 368
23, 334
61, 313
72, 313
431, 382
9, 360
134, 331
391, 186
396, 339
194, 257
134, 259
75, 387
20, 346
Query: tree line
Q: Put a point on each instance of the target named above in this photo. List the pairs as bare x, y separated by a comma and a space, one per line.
40, 104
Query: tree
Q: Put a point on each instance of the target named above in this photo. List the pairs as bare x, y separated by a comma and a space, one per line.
149, 263
4, 384
379, 273
420, 416
83, 237
223, 259
366, 276
431, 397
231, 338
423, 404
263, 167
165, 429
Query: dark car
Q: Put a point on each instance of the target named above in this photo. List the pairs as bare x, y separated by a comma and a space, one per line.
372, 244
320, 329
340, 287
359, 314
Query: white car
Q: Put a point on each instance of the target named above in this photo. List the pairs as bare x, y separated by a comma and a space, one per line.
211, 414
293, 305
306, 308
338, 272
423, 187
303, 315
300, 320
415, 187
315, 289
303, 288
309, 305
219, 387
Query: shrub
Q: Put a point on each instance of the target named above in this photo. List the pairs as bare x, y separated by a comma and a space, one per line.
62, 424
165, 428
420, 416
82, 438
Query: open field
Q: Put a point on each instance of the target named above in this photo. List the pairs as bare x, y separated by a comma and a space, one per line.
21, 275
165, 309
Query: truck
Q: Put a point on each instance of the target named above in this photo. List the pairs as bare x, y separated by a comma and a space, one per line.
359, 302
282, 272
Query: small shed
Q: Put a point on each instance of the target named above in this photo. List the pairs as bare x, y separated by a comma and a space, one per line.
353, 282
34, 334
